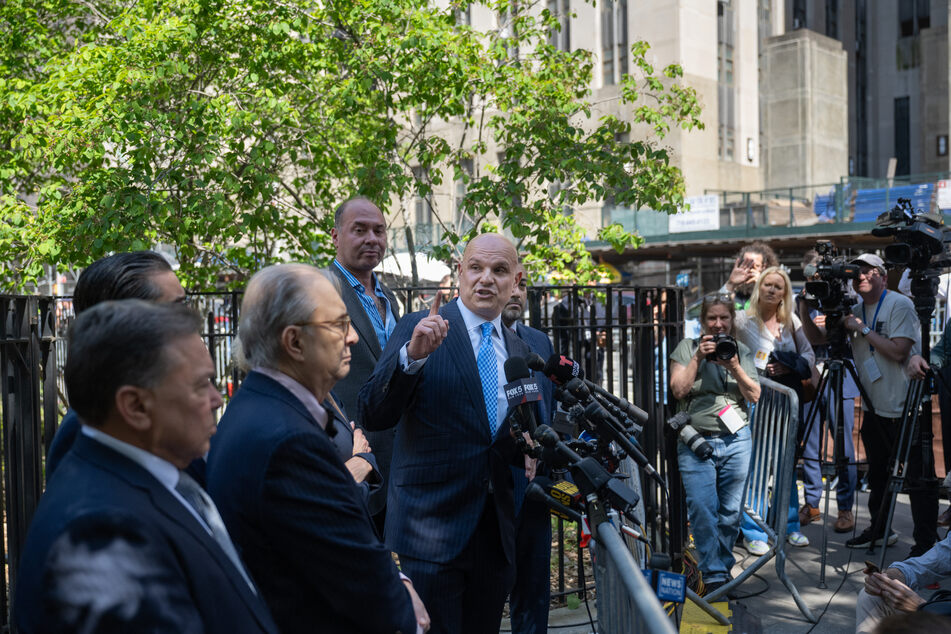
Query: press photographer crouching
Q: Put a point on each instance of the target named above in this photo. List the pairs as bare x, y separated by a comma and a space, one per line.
705, 379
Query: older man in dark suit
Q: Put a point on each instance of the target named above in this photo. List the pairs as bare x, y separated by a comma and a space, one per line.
450, 512
359, 235
283, 490
531, 592
123, 540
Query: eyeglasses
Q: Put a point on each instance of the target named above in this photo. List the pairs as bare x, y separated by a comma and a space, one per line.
718, 297
341, 326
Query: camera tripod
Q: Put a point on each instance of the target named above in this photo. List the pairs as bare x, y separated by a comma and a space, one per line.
915, 432
830, 390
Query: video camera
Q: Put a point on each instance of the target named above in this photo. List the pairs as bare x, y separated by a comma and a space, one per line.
829, 293
921, 240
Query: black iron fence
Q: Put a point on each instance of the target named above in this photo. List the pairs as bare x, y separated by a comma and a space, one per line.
621, 335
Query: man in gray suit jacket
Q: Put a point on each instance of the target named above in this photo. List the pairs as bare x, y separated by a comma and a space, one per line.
359, 234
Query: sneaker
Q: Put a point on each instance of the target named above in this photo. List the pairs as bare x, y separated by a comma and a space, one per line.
755, 547
797, 539
845, 523
808, 514
865, 539
945, 518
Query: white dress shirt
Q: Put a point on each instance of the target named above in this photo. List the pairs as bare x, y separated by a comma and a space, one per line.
474, 330
162, 470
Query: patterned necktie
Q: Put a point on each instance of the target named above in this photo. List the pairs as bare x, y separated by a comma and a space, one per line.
206, 509
489, 373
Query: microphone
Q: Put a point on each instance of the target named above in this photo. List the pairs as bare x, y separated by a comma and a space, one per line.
535, 362
521, 390
561, 369
603, 419
561, 497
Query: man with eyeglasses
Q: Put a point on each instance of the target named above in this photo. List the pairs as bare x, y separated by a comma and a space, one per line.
283, 490
359, 236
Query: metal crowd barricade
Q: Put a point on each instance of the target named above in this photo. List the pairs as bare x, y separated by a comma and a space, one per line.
774, 422
621, 611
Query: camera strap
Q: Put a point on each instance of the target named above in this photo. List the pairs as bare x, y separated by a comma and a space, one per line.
878, 307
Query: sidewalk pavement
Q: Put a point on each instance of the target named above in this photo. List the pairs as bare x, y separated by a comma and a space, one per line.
772, 609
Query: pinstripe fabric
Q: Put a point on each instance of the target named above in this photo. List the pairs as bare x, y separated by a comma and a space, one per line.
292, 507
444, 457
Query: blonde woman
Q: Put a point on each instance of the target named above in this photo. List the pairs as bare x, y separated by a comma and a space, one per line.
781, 352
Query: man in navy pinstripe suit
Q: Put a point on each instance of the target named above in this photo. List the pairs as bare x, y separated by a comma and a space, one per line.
450, 512
531, 592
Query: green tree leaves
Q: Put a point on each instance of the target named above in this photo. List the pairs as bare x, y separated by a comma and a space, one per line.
231, 128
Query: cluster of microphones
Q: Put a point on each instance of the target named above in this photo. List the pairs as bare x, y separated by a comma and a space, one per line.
590, 435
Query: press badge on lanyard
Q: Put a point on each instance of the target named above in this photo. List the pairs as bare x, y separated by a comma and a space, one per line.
871, 367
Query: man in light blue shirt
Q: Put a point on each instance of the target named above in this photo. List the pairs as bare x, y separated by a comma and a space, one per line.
359, 235
895, 589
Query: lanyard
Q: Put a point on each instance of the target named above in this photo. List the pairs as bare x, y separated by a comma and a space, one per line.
878, 307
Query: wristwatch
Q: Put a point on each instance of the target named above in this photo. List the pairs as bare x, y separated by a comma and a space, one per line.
865, 331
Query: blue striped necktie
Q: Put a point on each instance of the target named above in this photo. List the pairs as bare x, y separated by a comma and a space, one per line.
489, 373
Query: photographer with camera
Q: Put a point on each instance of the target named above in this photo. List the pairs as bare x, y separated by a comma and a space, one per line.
813, 325
886, 332
713, 378
782, 353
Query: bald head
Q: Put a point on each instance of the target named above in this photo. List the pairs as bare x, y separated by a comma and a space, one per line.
487, 274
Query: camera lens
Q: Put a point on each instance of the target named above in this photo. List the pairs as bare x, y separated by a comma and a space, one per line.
695, 442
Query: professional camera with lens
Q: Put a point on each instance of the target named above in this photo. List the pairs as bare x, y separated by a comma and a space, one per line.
922, 240
725, 348
689, 436
829, 293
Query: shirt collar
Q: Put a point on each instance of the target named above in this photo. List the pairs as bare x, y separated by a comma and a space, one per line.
163, 471
355, 283
301, 393
474, 322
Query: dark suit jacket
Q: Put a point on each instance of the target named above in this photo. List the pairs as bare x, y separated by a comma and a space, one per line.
363, 358
540, 345
110, 543
343, 441
444, 458
294, 509
63, 439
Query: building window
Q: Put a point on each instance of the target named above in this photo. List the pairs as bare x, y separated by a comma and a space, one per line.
463, 221
614, 41
913, 16
832, 18
942, 145
423, 209
560, 38
463, 15
554, 189
902, 137
799, 14
726, 94
507, 26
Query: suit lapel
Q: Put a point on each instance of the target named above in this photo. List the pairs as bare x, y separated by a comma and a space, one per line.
459, 347
166, 504
358, 315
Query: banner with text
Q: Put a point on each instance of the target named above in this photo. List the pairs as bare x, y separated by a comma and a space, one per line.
704, 215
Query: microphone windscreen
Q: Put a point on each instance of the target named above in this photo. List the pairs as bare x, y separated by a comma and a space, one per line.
561, 369
535, 362
515, 369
